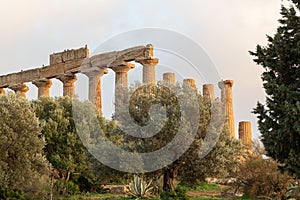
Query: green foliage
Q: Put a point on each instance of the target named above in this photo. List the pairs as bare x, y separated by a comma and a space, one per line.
261, 177
11, 194
278, 119
22, 164
64, 149
222, 161
204, 186
139, 188
179, 194
66, 187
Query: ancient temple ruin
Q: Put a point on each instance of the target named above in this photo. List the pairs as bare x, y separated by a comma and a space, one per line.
65, 65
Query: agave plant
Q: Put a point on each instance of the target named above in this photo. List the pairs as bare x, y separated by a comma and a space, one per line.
139, 188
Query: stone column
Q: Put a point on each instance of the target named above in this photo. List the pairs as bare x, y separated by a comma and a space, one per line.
2, 91
169, 78
95, 95
121, 70
208, 91
148, 69
20, 89
121, 86
190, 82
226, 98
68, 81
245, 133
43, 87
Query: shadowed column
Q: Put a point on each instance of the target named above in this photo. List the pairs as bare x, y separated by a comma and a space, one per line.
245, 133
95, 95
226, 98
208, 91
68, 81
43, 87
169, 78
2, 91
20, 89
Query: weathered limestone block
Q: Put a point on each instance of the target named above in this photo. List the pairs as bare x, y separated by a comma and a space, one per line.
95, 95
245, 133
20, 89
169, 78
2, 91
208, 91
191, 83
148, 69
68, 81
69, 55
226, 98
43, 87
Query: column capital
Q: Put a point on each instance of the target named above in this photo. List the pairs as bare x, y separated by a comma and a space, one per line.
20, 88
222, 84
67, 78
42, 83
43, 86
145, 61
95, 73
2, 91
68, 81
148, 69
122, 67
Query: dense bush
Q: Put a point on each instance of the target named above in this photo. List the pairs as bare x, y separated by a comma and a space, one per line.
261, 177
22, 164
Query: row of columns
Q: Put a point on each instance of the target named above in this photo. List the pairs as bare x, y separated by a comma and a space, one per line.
244, 129
121, 81
44, 86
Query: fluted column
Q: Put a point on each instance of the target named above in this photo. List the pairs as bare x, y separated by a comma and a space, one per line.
20, 89
2, 91
226, 98
43, 87
169, 78
148, 69
245, 133
190, 82
95, 95
208, 91
68, 81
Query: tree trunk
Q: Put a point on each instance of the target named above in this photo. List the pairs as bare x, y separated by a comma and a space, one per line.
170, 173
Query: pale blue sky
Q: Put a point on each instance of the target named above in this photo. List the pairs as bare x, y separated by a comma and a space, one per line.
225, 29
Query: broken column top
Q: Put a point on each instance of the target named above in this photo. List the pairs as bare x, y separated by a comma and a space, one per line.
169, 78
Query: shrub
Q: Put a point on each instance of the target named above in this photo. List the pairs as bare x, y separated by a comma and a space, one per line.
262, 178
